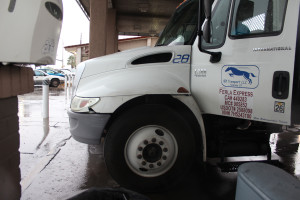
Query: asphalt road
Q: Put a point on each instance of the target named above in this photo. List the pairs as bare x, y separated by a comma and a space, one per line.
55, 166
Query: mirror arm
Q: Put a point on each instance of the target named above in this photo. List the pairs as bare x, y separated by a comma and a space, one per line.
214, 56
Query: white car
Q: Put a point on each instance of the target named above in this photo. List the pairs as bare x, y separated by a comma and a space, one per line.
66, 72
39, 76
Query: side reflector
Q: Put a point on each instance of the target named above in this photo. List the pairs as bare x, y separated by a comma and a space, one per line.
182, 90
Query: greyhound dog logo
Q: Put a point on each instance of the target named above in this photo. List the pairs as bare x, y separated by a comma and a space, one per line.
237, 72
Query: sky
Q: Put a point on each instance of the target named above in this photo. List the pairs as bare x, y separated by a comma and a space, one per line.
75, 26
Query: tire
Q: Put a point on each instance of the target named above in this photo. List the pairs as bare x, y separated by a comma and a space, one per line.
55, 82
149, 148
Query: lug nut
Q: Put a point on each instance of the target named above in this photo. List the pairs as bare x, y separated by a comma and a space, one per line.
139, 156
151, 165
159, 164
140, 148
161, 143
146, 142
164, 157
144, 163
165, 150
153, 140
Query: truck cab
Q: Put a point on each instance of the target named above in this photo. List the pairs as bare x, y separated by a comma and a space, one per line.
222, 77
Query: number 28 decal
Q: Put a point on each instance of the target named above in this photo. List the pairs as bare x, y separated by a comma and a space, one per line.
181, 58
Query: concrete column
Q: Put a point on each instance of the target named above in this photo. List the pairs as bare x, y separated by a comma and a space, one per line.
117, 41
14, 81
10, 175
149, 42
98, 19
111, 32
78, 55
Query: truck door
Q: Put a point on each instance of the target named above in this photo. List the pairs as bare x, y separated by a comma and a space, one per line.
38, 77
254, 79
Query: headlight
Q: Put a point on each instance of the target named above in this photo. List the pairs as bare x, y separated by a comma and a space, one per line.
80, 104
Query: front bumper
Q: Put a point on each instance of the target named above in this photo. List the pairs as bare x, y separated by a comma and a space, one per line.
87, 127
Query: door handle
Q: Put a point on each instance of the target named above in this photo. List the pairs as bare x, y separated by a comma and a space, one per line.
281, 82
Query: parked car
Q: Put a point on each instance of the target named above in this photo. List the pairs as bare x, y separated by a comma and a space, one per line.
39, 76
52, 72
66, 72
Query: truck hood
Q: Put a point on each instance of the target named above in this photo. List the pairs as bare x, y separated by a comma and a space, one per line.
158, 70
112, 62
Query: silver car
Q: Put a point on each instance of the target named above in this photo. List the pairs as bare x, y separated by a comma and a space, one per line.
39, 76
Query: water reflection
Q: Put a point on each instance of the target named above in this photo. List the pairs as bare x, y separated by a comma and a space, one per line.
46, 129
68, 96
297, 161
286, 146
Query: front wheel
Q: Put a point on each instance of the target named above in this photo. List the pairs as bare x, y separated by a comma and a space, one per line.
149, 148
54, 82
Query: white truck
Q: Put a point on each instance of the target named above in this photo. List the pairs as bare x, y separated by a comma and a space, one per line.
222, 77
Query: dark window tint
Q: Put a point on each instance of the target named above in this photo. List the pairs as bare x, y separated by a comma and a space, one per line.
37, 73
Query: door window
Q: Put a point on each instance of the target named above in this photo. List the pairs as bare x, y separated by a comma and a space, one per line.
257, 18
37, 73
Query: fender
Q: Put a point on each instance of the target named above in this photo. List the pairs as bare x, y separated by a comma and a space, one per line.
110, 104
190, 102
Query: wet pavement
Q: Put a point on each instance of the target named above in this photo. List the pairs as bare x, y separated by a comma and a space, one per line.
55, 166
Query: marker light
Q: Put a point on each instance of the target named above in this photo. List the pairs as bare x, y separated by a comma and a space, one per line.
182, 90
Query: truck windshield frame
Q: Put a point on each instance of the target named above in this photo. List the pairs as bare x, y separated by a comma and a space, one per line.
182, 28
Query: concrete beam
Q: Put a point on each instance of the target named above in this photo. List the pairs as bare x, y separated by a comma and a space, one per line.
143, 26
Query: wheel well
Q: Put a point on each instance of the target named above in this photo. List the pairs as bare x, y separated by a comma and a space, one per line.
53, 79
171, 102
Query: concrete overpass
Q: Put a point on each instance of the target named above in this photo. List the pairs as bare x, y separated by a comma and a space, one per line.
110, 18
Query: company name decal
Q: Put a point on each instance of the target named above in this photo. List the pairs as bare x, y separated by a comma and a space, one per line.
245, 76
273, 49
236, 103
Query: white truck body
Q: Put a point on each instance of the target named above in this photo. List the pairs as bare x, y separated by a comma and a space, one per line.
254, 82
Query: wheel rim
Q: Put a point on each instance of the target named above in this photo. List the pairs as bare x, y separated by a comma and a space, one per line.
151, 151
55, 83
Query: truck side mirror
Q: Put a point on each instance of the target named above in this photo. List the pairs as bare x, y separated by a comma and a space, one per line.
207, 32
207, 4
205, 7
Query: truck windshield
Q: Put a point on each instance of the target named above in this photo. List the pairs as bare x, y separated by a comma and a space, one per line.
181, 29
